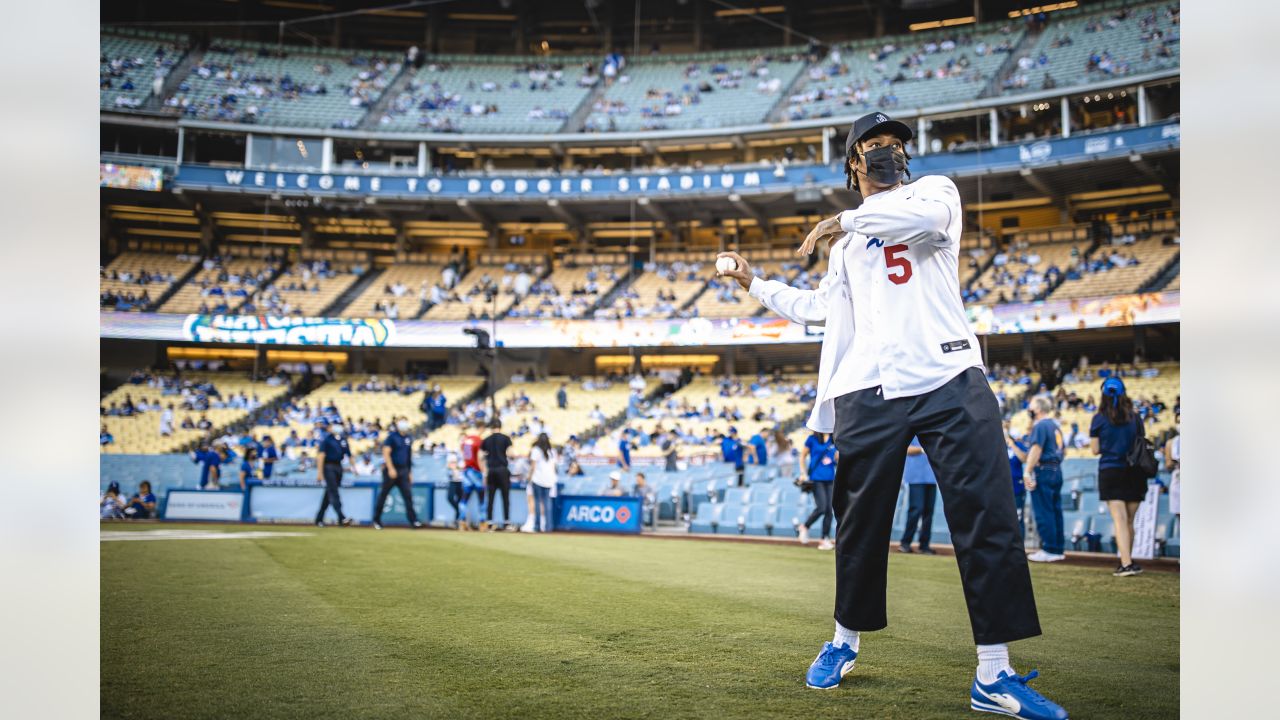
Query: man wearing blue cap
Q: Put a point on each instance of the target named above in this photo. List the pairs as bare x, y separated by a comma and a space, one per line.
899, 359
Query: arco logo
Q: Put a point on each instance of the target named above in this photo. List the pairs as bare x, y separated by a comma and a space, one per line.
623, 515
598, 514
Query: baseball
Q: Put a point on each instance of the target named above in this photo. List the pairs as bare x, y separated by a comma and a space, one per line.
726, 264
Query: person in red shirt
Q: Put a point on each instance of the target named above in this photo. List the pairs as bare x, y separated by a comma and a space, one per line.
472, 474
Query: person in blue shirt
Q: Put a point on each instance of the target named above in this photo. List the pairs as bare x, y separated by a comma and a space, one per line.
1042, 475
143, 503
624, 452
246, 468
1121, 486
1017, 448
437, 408
209, 462
329, 458
269, 456
731, 447
397, 471
819, 460
922, 490
761, 450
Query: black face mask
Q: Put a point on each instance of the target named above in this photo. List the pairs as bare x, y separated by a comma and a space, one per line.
885, 165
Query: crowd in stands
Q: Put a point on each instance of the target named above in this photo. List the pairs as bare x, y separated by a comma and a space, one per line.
132, 69
671, 90
304, 288
254, 83
229, 284
570, 292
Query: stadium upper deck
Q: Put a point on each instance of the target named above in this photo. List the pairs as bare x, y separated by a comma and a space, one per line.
286, 85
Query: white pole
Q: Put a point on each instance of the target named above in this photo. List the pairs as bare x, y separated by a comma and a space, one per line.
922, 137
326, 156
1066, 118
995, 126
1144, 115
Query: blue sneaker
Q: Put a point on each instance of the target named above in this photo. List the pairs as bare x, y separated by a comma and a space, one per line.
830, 666
1009, 695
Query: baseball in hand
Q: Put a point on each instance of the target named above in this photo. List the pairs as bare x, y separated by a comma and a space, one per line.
726, 264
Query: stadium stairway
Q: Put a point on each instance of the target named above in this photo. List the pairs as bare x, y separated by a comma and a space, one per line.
394, 88
177, 74
1166, 276
334, 309
778, 113
1010, 64
578, 118
176, 284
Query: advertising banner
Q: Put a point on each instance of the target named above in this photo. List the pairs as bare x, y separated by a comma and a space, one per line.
130, 177
746, 180
299, 504
1080, 314
584, 513
224, 505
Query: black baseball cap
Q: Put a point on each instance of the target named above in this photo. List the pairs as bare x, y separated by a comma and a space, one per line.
875, 124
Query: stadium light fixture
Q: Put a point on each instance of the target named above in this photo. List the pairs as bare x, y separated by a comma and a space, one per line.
1043, 8
738, 12
949, 22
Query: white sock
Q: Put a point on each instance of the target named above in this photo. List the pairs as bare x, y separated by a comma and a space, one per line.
845, 636
991, 660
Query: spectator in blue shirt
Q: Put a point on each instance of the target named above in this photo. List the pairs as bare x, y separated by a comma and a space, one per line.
732, 449
209, 461
105, 438
246, 467
624, 452
1017, 448
1122, 487
269, 456
922, 491
437, 408
143, 503
761, 451
1042, 475
562, 397
820, 457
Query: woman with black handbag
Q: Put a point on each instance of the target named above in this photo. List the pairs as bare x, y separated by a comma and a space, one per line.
1122, 482
819, 460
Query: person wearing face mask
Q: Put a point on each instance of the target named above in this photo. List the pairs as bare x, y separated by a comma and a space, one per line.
899, 359
329, 457
397, 471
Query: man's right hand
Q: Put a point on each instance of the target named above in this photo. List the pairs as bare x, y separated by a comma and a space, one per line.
391, 472
742, 273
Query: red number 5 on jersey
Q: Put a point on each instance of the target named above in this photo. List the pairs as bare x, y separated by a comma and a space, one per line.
892, 261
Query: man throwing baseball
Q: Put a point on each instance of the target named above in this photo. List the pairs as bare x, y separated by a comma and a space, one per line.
899, 360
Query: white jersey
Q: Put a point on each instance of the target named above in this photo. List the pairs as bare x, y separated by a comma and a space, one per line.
890, 300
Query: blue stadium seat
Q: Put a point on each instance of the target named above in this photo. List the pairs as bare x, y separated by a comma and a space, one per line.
760, 520
737, 496
707, 518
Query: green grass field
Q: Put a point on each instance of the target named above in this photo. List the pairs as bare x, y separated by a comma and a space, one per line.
353, 623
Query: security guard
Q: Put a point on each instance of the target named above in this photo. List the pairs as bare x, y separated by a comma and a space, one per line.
333, 448
396, 472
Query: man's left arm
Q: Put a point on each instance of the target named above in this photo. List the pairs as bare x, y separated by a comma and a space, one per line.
923, 216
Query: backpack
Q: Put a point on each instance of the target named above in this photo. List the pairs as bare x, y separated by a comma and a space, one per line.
1142, 454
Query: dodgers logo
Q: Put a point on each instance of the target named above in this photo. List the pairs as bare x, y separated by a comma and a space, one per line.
881, 118
875, 241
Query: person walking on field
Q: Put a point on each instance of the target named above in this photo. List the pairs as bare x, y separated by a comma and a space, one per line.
542, 481
899, 359
1120, 485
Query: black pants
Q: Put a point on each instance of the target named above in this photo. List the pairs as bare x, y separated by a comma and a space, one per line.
332, 478
822, 508
499, 480
919, 512
959, 426
455, 500
406, 491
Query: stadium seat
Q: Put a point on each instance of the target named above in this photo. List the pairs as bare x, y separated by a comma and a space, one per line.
760, 520
707, 518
